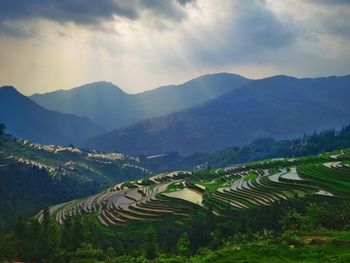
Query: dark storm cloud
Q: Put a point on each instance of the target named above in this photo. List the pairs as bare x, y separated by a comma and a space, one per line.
258, 26
17, 31
336, 20
86, 11
184, 2
331, 2
78, 11
253, 31
171, 9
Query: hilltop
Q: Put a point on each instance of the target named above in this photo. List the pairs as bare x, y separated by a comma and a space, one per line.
26, 119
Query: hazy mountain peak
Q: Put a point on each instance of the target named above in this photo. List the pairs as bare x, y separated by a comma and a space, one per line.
11, 94
8, 89
99, 85
24, 118
279, 78
112, 108
215, 77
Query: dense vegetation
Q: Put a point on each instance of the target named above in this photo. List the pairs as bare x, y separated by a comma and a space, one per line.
318, 142
34, 175
297, 231
293, 210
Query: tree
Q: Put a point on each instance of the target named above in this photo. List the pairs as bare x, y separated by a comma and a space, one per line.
118, 248
2, 129
33, 241
87, 253
19, 227
53, 240
183, 245
293, 220
9, 248
46, 216
110, 254
152, 249
77, 233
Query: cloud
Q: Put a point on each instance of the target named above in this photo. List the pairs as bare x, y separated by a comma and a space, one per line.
250, 29
167, 9
168, 41
328, 17
88, 12
330, 2
16, 30
184, 2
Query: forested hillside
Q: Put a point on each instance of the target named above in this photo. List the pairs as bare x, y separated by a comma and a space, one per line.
33, 176
318, 142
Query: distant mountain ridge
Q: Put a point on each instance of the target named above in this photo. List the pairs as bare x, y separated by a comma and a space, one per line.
279, 107
261, 149
24, 118
112, 108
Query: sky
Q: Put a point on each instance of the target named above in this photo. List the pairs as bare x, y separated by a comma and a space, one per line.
139, 45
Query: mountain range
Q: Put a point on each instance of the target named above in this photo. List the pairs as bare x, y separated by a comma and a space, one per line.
25, 119
112, 108
278, 107
205, 114
261, 149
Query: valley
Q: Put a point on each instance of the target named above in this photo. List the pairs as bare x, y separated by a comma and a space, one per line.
175, 131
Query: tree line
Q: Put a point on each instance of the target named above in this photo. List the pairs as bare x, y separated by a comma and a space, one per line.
82, 239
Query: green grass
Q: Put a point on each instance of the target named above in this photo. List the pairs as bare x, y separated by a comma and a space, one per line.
250, 176
174, 187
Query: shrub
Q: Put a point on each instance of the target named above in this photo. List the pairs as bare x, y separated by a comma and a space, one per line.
291, 238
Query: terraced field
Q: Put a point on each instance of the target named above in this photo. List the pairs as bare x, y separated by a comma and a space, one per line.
33, 176
101, 168
225, 191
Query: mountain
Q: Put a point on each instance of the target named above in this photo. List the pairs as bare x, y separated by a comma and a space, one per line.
278, 107
24, 118
112, 108
35, 175
261, 149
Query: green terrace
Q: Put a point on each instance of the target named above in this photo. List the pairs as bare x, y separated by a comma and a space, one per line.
224, 192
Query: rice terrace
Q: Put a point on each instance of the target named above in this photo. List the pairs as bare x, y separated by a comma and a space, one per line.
226, 191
